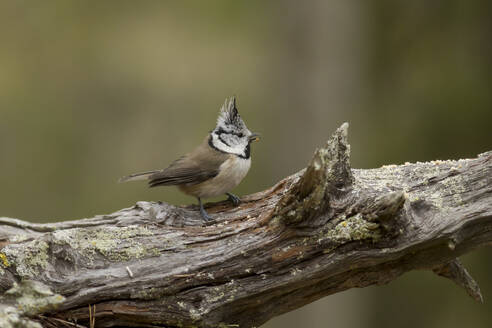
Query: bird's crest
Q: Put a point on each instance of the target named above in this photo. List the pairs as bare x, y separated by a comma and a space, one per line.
229, 114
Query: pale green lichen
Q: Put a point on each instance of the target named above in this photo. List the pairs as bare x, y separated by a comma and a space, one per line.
218, 294
443, 185
31, 298
226, 291
195, 315
357, 228
114, 243
28, 258
11, 318
353, 228
34, 297
19, 238
449, 189
454, 186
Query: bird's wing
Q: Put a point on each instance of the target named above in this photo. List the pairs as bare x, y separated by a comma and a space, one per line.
178, 175
196, 167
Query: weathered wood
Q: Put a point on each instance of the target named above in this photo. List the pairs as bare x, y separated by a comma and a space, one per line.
320, 231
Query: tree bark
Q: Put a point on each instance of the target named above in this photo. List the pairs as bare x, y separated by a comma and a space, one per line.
323, 230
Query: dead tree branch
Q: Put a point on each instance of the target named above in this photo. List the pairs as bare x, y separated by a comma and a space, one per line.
320, 231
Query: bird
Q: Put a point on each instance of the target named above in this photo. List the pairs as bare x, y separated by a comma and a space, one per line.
213, 168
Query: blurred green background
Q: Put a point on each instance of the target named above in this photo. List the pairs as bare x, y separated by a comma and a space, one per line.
94, 90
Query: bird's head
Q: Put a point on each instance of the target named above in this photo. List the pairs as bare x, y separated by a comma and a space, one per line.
231, 134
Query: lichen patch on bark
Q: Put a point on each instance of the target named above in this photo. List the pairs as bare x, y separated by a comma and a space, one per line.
29, 258
114, 243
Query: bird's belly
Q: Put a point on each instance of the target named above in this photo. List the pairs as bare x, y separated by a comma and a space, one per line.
231, 172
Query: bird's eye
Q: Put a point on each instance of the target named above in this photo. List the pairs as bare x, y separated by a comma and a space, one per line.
240, 135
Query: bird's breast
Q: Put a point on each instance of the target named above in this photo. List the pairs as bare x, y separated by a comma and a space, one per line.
231, 172
234, 169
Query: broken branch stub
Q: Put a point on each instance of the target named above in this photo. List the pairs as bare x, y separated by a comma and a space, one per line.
328, 175
456, 272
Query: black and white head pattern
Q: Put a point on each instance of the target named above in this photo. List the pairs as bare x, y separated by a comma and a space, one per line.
231, 134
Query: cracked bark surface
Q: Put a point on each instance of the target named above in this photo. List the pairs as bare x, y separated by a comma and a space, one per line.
323, 230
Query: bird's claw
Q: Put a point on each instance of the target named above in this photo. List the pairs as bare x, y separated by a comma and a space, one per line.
205, 215
207, 218
233, 199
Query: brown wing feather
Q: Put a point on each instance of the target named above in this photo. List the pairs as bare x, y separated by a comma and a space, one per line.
198, 166
179, 176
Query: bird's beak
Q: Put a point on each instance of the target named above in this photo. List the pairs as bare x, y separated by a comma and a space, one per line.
254, 137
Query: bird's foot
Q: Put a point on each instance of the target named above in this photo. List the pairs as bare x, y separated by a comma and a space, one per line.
233, 199
207, 218
205, 215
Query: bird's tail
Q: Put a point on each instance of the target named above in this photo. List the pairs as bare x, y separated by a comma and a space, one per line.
137, 176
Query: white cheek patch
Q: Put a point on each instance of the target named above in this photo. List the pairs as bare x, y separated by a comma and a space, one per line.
235, 149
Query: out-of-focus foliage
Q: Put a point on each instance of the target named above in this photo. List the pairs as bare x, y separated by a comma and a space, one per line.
94, 90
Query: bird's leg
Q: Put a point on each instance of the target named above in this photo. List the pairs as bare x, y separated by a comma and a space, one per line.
204, 213
233, 198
